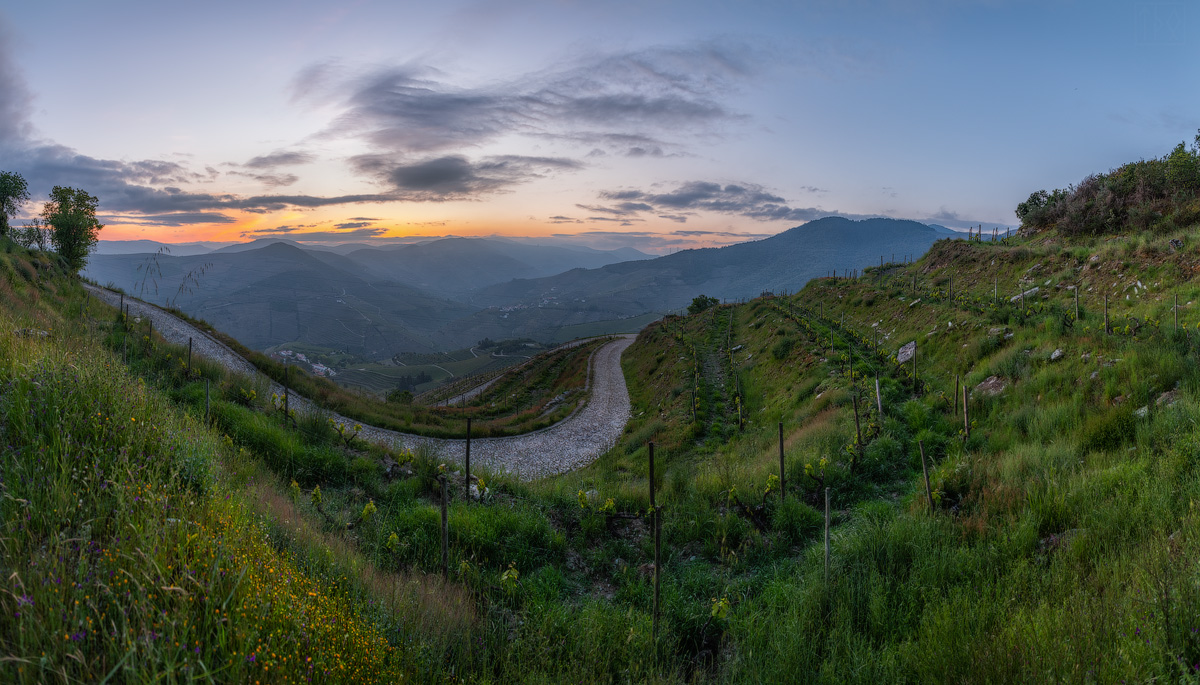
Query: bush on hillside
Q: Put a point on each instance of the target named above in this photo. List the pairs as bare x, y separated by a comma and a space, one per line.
1158, 194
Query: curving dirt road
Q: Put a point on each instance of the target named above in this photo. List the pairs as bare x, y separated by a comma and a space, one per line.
567, 445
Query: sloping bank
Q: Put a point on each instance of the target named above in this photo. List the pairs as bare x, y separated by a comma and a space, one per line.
567, 445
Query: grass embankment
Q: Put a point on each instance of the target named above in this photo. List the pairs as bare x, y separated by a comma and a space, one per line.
542, 392
131, 548
1061, 544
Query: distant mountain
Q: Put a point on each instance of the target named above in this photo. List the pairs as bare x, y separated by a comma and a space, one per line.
282, 293
449, 293
456, 266
106, 247
784, 262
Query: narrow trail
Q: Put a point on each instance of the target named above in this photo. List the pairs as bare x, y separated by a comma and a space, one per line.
569, 444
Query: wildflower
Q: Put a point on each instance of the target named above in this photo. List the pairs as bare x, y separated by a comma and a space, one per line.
316, 496
368, 510
393, 541
294, 490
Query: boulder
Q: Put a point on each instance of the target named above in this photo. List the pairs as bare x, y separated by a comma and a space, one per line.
906, 352
991, 386
1056, 355
1167, 398
1028, 293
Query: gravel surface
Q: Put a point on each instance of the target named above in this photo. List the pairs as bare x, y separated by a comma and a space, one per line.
567, 445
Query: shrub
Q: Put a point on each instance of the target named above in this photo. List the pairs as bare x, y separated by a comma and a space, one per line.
783, 349
1108, 431
795, 521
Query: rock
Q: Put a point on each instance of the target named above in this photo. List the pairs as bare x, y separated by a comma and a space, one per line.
1174, 244
1095, 375
1007, 336
31, 333
997, 331
949, 324
914, 302
1094, 258
1056, 355
1118, 400
1141, 412
1028, 293
1167, 398
991, 386
906, 352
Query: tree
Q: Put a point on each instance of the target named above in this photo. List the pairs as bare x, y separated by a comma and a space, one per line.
71, 214
35, 235
702, 303
14, 192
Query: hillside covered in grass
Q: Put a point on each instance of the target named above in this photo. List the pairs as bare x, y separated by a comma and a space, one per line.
1052, 401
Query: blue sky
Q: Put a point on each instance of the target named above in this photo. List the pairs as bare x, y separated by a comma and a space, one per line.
654, 124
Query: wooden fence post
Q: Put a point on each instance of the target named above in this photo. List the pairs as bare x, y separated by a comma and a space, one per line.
782, 475
445, 528
966, 414
189, 368
467, 475
925, 471
1176, 308
954, 402
286, 408
857, 425
827, 537
657, 545
878, 399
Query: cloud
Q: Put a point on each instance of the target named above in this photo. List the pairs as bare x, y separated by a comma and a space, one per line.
750, 200
352, 224
457, 177
618, 101
315, 236
279, 158
16, 102
622, 209
175, 219
272, 180
678, 218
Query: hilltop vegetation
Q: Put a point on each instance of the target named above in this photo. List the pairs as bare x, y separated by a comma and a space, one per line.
1148, 195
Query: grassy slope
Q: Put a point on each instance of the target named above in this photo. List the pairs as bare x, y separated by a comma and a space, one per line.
1062, 546
131, 548
531, 399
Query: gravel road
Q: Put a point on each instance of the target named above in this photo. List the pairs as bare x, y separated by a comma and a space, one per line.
567, 445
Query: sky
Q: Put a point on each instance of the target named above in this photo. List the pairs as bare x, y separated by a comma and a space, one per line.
654, 124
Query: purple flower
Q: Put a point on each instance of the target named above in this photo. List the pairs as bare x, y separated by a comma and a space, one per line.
250, 658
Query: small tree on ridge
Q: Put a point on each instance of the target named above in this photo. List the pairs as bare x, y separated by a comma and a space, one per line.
71, 215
